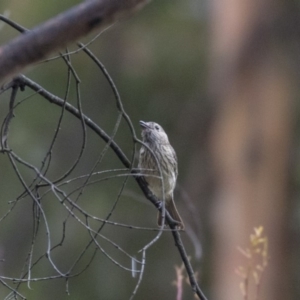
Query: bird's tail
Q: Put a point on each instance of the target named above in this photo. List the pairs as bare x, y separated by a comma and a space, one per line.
171, 208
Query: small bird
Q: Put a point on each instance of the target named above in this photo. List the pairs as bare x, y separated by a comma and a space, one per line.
162, 154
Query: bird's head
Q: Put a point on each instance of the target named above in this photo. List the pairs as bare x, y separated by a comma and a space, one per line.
153, 133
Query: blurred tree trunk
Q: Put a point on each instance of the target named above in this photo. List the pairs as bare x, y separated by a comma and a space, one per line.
253, 88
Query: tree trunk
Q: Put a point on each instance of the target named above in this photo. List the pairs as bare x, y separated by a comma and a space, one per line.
252, 86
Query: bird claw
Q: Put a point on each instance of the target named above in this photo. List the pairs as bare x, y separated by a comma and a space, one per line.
159, 205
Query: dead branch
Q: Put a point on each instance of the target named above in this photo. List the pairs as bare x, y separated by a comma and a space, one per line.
62, 30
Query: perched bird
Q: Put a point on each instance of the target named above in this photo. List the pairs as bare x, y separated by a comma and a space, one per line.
161, 156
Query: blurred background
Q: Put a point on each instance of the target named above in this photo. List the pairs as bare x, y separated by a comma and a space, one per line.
221, 77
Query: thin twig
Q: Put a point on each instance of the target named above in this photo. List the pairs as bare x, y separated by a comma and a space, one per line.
126, 162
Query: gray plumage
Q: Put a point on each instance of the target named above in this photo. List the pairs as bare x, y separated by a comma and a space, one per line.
160, 156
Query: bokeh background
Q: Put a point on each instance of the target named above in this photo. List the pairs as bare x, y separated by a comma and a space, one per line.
172, 64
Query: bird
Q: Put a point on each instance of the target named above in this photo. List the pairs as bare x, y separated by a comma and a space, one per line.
155, 156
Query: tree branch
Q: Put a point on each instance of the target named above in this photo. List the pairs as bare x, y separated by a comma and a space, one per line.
23, 80
62, 30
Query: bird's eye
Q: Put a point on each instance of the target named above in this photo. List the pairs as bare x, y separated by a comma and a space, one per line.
156, 127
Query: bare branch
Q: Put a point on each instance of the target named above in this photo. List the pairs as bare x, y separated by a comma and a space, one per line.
62, 30
31, 47
177, 238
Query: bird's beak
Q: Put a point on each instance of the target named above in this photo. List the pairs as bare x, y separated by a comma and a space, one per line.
143, 124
